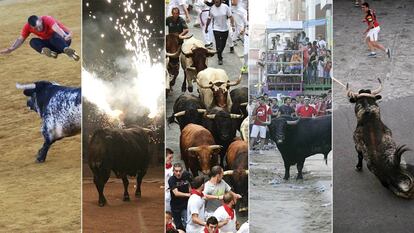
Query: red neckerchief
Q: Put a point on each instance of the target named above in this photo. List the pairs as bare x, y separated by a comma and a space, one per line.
206, 230
170, 226
229, 211
168, 165
194, 191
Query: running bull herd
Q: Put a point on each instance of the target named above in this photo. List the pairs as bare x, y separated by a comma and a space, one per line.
209, 121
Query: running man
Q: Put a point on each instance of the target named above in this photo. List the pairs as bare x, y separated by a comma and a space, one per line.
53, 37
372, 32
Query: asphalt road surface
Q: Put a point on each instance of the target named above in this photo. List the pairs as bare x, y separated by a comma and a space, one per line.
361, 203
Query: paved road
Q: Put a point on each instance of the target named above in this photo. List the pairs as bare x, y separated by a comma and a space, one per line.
361, 203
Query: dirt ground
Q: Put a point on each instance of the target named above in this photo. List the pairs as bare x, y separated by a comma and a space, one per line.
139, 215
291, 206
37, 197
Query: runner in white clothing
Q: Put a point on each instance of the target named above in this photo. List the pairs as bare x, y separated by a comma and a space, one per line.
195, 207
226, 215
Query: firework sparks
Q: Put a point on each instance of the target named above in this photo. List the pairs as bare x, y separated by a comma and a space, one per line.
148, 82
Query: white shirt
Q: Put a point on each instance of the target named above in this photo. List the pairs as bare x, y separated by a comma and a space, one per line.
244, 228
219, 17
322, 44
177, 3
195, 206
222, 215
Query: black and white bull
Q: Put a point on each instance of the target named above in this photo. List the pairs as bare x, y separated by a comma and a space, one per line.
221, 124
187, 109
123, 151
374, 143
60, 110
300, 138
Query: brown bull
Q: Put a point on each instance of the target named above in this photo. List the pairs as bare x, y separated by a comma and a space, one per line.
237, 163
173, 43
198, 149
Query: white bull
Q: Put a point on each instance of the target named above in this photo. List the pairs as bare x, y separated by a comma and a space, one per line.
213, 85
193, 60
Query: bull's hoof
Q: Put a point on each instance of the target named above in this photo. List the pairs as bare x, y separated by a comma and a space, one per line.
286, 178
39, 160
299, 177
190, 89
358, 168
126, 198
102, 203
138, 194
172, 83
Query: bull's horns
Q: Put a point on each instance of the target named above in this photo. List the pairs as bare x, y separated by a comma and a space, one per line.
235, 82
179, 114
292, 122
350, 93
185, 37
379, 89
173, 54
201, 110
25, 86
236, 116
214, 147
193, 149
247, 172
228, 172
147, 130
244, 104
191, 68
211, 51
202, 86
211, 116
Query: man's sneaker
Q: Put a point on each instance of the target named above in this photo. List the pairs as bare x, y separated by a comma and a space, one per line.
196, 25
209, 45
388, 51
243, 70
373, 55
232, 49
49, 53
71, 53
220, 62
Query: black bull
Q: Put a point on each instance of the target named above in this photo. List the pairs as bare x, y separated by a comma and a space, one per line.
298, 139
124, 151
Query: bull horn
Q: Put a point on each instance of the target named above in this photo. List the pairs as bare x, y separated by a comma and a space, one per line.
179, 114
228, 172
201, 110
379, 89
187, 54
185, 37
235, 82
214, 147
244, 104
211, 51
172, 54
247, 172
191, 68
236, 116
292, 122
350, 93
202, 86
25, 86
146, 130
193, 149
211, 116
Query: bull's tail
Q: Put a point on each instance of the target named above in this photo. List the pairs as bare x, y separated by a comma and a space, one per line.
398, 153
